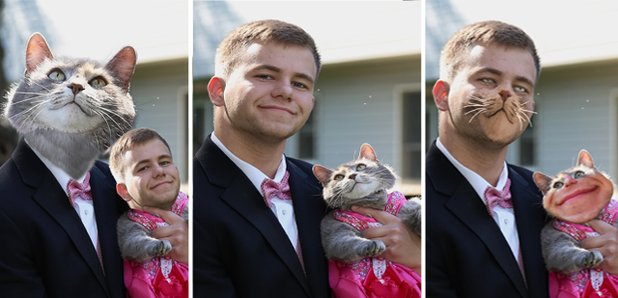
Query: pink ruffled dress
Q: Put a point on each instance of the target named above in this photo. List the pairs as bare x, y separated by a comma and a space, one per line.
372, 277
160, 277
587, 282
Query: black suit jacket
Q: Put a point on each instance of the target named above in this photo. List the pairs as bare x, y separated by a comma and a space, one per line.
45, 250
240, 249
467, 255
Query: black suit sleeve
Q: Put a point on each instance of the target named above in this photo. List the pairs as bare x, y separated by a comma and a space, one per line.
210, 278
18, 275
439, 285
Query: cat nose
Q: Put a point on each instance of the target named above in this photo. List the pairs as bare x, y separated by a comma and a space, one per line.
353, 176
76, 88
504, 94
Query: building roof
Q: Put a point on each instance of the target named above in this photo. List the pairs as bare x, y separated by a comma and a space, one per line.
564, 32
343, 30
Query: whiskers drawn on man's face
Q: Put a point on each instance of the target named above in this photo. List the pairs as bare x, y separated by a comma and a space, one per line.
516, 109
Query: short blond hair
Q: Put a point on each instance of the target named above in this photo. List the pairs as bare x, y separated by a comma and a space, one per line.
233, 46
125, 143
483, 33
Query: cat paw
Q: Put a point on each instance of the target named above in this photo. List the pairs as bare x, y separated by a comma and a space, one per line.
162, 248
374, 248
593, 259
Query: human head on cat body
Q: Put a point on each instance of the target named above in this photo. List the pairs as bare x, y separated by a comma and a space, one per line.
362, 182
577, 194
485, 94
262, 90
71, 110
146, 176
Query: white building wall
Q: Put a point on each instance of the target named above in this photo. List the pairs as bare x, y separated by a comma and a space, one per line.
575, 112
357, 103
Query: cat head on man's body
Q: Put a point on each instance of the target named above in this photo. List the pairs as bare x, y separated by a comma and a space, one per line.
577, 194
361, 182
70, 110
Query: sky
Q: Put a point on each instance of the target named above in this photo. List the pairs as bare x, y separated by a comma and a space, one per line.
564, 31
157, 29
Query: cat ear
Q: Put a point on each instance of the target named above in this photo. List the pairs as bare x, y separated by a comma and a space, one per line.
440, 94
367, 152
321, 173
123, 66
37, 51
542, 181
584, 158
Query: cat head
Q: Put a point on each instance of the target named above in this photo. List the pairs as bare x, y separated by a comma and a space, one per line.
362, 182
577, 194
71, 109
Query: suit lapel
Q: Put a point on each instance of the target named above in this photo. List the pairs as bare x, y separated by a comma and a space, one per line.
103, 194
49, 196
465, 204
530, 220
307, 197
242, 196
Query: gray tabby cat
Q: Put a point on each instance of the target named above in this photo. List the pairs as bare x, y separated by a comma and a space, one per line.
363, 182
71, 110
136, 242
574, 197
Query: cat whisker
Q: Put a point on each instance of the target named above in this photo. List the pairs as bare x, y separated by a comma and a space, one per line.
476, 114
30, 82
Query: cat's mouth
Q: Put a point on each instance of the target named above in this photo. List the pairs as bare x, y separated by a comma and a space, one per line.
70, 103
577, 194
515, 109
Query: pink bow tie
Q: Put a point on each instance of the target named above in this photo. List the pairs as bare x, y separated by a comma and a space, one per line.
272, 189
495, 197
79, 190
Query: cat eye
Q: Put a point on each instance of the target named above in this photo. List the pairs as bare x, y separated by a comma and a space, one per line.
338, 177
558, 184
56, 75
98, 82
361, 166
579, 174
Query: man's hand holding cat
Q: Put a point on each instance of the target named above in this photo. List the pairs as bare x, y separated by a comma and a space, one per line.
402, 245
606, 243
176, 233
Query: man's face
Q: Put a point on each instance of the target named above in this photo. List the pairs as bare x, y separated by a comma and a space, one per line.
270, 92
150, 177
491, 98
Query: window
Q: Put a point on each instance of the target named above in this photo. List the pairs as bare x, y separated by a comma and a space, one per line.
411, 139
306, 138
527, 146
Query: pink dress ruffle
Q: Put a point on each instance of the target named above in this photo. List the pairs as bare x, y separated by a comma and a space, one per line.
372, 277
160, 277
591, 282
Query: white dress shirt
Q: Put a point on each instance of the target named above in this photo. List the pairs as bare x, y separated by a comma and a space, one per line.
283, 209
504, 217
84, 208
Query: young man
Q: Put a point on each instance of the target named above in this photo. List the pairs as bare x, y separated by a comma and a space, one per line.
146, 176
484, 216
246, 245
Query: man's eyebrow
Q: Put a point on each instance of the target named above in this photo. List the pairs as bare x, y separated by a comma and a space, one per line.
278, 70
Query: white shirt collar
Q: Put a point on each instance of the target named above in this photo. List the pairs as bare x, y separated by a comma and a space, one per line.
478, 183
254, 174
61, 176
